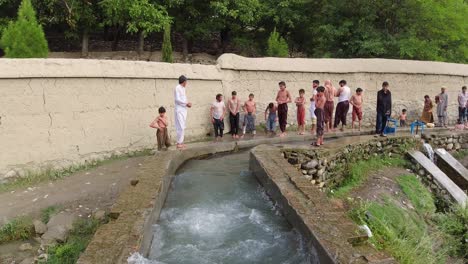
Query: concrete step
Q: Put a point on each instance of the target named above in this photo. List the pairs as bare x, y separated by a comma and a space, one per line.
452, 167
440, 177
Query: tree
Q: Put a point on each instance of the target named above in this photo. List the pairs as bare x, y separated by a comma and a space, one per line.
135, 16
166, 45
24, 38
277, 45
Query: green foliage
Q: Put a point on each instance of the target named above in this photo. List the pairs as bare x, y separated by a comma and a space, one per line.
277, 45
454, 224
24, 38
359, 171
167, 46
18, 228
80, 236
48, 212
419, 196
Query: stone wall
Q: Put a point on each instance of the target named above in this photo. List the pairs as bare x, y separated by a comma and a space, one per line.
58, 112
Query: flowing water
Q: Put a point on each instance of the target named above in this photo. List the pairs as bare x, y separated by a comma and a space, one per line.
429, 151
216, 212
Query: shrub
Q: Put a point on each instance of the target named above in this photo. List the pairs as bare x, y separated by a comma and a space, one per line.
166, 45
24, 38
277, 45
19, 228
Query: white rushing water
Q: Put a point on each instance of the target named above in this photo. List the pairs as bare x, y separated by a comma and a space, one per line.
429, 151
216, 212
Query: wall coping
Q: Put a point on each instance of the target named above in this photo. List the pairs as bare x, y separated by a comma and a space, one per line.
90, 68
235, 62
93, 68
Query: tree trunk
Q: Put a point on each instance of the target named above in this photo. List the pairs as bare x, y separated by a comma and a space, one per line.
141, 43
184, 49
85, 44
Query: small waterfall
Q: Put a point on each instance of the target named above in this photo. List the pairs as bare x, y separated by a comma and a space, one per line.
429, 151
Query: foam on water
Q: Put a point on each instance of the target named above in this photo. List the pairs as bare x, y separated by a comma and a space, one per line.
217, 213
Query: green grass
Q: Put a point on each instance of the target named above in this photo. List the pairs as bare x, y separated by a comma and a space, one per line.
20, 228
460, 154
419, 196
359, 171
48, 212
454, 224
34, 178
80, 236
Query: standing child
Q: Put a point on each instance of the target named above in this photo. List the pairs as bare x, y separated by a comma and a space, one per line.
330, 93
217, 117
300, 103
234, 107
356, 101
160, 123
271, 118
313, 118
283, 98
320, 113
403, 118
250, 109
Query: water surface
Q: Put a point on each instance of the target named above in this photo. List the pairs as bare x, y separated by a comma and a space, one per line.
216, 212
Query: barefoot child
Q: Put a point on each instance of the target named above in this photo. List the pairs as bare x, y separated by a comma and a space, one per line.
271, 118
283, 98
217, 117
403, 118
313, 118
249, 116
319, 112
234, 107
330, 93
356, 101
300, 103
160, 123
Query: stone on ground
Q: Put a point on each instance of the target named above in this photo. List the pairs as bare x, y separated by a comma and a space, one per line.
25, 247
100, 215
39, 227
59, 227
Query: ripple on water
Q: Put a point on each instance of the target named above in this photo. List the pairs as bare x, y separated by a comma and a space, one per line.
217, 213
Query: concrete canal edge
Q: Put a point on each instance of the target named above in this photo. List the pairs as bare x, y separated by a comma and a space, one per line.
327, 230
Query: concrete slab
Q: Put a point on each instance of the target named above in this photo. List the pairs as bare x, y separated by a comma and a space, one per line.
453, 168
440, 177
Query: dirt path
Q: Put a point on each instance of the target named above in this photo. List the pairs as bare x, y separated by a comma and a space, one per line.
83, 192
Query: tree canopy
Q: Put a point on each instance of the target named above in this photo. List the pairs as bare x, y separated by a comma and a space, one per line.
407, 29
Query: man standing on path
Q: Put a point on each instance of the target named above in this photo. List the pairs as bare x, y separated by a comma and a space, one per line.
342, 108
330, 93
181, 105
283, 98
384, 109
443, 98
462, 99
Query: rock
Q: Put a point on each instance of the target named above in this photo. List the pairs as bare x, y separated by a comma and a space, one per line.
312, 172
310, 165
450, 140
293, 160
321, 184
312, 181
39, 227
449, 146
304, 172
100, 215
134, 182
10, 174
421, 172
25, 247
457, 146
43, 256
308, 177
58, 227
465, 146
379, 144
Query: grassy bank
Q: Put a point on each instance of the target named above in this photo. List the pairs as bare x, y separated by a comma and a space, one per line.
20, 228
358, 172
414, 236
34, 178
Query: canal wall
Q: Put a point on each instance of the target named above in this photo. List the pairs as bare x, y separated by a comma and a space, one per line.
56, 113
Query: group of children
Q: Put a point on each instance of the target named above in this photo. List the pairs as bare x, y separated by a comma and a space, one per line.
273, 113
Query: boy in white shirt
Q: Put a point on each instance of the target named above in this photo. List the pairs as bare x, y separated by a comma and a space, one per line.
217, 116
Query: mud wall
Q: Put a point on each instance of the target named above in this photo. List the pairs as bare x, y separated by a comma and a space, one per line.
59, 112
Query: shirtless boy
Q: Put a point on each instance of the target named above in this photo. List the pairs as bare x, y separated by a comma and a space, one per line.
356, 101
234, 107
283, 98
320, 101
313, 118
249, 116
300, 103
329, 94
217, 117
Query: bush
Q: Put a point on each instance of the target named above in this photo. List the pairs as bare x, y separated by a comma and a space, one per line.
18, 229
166, 45
277, 46
24, 38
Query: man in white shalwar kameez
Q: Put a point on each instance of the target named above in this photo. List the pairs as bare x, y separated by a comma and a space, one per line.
181, 105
